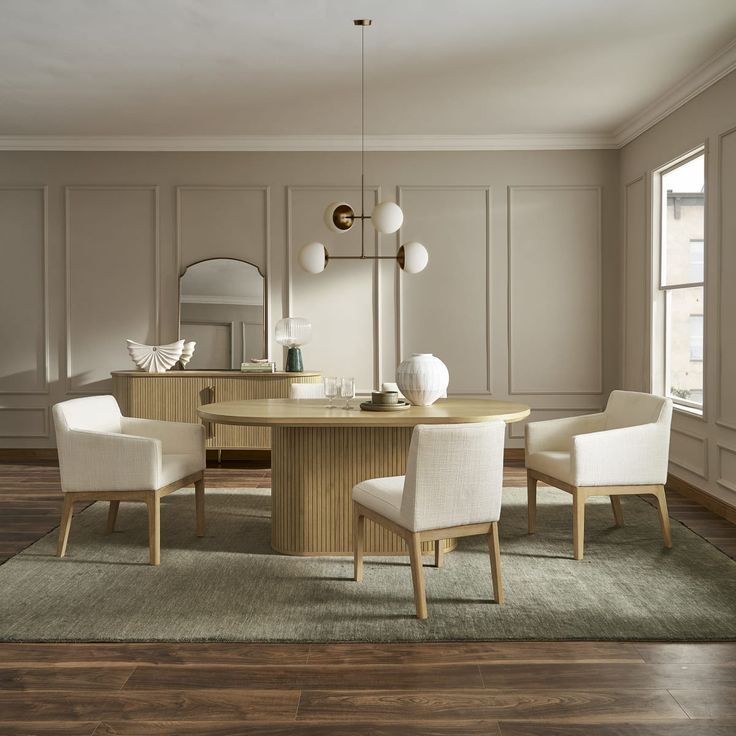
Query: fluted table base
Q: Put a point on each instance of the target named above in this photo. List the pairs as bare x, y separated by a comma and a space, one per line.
314, 470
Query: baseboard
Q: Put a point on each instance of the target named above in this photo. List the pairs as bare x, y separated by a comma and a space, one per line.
27, 454
257, 458
21, 454
513, 454
716, 505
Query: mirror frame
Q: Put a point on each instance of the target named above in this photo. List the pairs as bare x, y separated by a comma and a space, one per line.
263, 306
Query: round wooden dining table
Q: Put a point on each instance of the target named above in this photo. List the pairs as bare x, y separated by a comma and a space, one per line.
318, 454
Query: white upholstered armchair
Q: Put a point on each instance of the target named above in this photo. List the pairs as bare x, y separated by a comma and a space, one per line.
104, 456
452, 488
620, 451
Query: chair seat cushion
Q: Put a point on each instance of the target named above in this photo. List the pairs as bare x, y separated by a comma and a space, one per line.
382, 495
176, 466
553, 463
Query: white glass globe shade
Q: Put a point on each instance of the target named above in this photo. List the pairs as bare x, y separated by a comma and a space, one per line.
416, 257
313, 257
387, 217
293, 331
344, 214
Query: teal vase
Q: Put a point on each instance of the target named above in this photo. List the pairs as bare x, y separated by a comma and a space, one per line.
294, 361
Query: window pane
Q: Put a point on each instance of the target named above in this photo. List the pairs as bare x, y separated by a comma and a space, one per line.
697, 260
683, 209
696, 337
684, 344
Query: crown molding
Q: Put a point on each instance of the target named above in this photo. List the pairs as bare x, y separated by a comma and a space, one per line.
517, 142
707, 74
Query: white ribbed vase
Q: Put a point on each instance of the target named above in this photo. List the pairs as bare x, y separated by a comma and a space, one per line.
423, 379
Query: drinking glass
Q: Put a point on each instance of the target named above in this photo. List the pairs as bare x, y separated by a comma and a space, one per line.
347, 391
332, 390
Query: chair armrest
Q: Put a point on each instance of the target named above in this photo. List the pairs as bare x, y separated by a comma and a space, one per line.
618, 457
555, 434
176, 437
107, 461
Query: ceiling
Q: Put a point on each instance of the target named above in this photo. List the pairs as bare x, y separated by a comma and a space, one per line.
292, 67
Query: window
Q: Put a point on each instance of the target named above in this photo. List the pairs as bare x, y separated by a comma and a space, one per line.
696, 337
679, 298
697, 260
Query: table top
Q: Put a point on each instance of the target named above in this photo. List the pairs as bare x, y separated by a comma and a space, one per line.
314, 412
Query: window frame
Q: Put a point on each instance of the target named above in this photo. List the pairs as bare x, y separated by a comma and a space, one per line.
661, 324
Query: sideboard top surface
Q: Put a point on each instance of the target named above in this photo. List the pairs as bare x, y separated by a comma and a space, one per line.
222, 374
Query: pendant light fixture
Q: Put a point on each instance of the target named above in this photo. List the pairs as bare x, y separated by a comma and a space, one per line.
386, 217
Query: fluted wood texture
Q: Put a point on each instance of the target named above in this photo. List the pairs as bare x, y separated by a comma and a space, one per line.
175, 398
314, 470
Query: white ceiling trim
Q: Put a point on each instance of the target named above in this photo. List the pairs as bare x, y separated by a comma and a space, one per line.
518, 142
704, 76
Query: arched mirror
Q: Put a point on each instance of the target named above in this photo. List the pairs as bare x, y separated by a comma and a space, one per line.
221, 308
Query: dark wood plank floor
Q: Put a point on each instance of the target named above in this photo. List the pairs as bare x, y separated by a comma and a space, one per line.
445, 689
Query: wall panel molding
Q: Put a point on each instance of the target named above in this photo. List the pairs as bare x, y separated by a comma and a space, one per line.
42, 363
701, 470
291, 263
264, 266
486, 389
514, 388
70, 389
729, 422
727, 483
45, 428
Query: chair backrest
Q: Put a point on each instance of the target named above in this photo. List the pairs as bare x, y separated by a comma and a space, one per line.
454, 475
631, 408
92, 413
307, 391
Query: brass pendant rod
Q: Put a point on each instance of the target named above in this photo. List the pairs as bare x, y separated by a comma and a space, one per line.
362, 141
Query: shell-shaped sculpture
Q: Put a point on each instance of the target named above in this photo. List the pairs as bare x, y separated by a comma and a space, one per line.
155, 358
187, 352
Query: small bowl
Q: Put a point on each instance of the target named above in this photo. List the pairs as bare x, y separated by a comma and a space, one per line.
385, 397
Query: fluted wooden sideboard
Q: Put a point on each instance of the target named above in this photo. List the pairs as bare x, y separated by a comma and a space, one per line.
175, 395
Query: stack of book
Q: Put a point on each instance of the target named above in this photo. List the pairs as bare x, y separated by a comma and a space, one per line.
263, 367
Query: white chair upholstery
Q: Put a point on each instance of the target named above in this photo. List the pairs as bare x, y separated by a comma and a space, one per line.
620, 451
106, 456
452, 488
307, 391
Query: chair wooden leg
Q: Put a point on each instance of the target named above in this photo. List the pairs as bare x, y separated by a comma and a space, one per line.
358, 541
664, 517
199, 506
531, 495
495, 554
578, 523
153, 502
67, 512
112, 515
618, 512
414, 541
439, 555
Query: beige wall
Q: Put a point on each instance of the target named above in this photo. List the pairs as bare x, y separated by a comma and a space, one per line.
703, 449
518, 240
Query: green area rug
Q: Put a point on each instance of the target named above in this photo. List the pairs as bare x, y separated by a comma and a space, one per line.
230, 585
